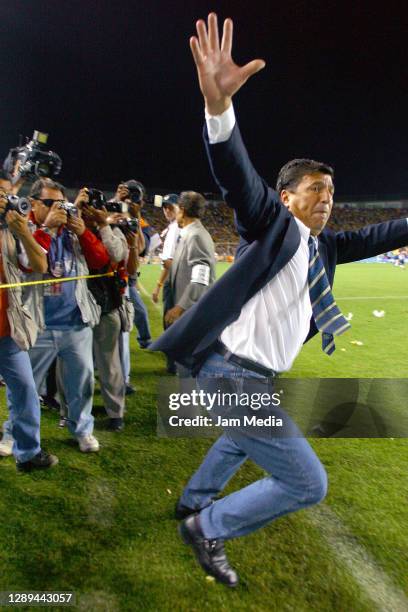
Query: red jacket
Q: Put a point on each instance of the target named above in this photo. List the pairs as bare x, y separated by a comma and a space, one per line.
94, 251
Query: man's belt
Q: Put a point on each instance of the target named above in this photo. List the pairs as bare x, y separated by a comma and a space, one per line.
221, 349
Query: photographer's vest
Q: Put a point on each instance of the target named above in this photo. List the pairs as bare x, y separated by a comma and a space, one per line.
21, 325
90, 310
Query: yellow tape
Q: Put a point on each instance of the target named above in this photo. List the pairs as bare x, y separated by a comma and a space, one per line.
51, 281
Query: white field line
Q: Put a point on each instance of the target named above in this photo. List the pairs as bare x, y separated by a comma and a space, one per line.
373, 297
373, 581
349, 297
147, 294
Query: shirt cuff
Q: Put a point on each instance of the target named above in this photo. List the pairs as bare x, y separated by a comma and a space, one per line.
220, 127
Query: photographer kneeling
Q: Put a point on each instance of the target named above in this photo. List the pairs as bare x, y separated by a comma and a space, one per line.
17, 334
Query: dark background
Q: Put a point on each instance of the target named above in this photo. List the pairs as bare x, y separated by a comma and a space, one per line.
115, 86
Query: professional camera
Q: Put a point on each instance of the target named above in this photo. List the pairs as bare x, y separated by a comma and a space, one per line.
20, 205
32, 160
69, 208
117, 207
137, 192
128, 225
97, 199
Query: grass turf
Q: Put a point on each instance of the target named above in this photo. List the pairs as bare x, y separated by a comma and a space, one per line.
102, 525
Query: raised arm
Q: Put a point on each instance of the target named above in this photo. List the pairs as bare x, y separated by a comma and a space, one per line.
371, 240
220, 78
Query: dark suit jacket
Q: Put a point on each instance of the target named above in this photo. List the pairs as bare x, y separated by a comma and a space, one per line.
269, 239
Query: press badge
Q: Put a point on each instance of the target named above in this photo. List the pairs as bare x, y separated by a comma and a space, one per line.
200, 274
53, 290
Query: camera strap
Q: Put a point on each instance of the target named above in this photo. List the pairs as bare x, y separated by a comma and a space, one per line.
61, 244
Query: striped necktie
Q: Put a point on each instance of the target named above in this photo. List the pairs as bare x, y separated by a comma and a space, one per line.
327, 316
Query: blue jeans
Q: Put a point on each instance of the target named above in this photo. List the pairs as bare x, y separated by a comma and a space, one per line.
74, 349
141, 317
296, 477
22, 398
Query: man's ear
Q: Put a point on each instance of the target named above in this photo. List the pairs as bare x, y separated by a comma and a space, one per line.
284, 196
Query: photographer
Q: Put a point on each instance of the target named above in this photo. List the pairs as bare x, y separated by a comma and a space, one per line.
18, 333
129, 196
66, 311
131, 193
108, 294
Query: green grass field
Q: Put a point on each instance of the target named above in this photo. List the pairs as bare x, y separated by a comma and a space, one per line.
102, 525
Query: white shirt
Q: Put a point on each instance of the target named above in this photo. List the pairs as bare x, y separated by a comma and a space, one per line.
274, 323
170, 241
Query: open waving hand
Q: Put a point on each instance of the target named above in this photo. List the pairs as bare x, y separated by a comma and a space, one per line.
219, 77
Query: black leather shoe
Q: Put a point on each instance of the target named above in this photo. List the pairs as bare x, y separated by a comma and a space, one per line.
145, 344
130, 389
181, 511
210, 553
50, 402
116, 424
40, 461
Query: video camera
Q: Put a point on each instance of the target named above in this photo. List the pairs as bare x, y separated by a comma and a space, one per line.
32, 160
20, 205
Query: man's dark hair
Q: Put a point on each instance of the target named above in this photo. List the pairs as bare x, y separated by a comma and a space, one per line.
193, 204
45, 183
292, 173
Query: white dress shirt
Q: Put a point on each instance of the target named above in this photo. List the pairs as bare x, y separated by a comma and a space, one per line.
170, 241
274, 323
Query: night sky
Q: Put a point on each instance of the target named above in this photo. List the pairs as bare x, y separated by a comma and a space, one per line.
115, 86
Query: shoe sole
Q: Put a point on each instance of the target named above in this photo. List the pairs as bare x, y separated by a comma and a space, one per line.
90, 450
188, 540
4, 454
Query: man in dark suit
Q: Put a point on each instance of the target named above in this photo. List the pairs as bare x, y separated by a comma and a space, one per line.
252, 323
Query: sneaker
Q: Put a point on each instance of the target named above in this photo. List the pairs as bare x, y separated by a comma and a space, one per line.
40, 461
6, 446
88, 444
